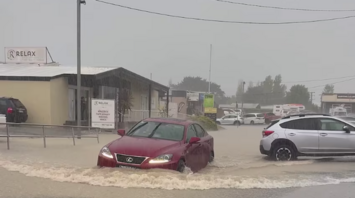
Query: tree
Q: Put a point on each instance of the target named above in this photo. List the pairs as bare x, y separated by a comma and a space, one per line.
279, 90
198, 84
298, 94
329, 88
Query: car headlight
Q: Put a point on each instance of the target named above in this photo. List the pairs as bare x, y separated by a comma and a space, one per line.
106, 152
161, 159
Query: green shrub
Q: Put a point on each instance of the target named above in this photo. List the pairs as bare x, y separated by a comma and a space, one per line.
205, 122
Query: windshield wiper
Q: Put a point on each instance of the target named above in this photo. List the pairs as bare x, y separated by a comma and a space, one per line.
151, 135
138, 127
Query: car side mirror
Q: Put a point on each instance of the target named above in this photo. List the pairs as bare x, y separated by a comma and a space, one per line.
121, 132
194, 140
346, 129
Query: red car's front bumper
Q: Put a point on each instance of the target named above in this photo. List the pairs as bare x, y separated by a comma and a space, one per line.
103, 161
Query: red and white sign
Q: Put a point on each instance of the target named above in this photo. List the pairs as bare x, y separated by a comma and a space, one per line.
103, 113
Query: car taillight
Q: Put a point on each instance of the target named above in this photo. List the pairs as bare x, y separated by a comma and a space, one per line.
9, 110
267, 133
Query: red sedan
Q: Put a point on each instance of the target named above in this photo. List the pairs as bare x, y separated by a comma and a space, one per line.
160, 143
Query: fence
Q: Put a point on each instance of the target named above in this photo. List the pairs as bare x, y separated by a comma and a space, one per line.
18, 130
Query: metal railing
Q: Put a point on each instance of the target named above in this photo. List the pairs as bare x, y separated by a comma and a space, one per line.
26, 130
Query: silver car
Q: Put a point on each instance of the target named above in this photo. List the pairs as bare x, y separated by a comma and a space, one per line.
308, 135
230, 119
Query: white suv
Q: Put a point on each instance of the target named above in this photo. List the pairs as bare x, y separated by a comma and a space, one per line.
308, 135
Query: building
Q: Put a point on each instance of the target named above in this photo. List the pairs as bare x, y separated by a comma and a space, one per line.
337, 99
49, 92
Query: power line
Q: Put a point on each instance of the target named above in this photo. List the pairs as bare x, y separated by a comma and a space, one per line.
284, 8
224, 21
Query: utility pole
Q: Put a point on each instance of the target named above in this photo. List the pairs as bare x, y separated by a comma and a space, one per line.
243, 94
209, 78
78, 59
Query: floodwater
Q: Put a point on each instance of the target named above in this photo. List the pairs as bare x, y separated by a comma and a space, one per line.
238, 165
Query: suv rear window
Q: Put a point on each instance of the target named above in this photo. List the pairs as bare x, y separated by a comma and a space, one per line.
17, 103
272, 123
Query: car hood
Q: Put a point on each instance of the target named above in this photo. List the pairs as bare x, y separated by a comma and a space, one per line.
140, 146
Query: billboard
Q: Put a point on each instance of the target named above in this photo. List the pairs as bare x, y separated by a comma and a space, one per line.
26, 55
193, 96
103, 113
208, 100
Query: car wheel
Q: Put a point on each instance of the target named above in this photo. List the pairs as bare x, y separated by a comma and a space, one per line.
218, 122
181, 166
211, 157
283, 152
237, 123
267, 121
252, 122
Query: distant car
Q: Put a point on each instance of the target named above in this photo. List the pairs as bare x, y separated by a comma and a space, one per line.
165, 143
14, 110
254, 118
270, 116
230, 119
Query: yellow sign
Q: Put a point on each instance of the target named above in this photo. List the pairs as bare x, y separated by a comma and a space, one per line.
210, 110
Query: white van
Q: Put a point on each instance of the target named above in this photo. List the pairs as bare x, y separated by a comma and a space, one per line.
254, 118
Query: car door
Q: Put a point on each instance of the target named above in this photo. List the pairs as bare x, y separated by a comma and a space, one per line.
224, 119
247, 118
194, 151
206, 145
332, 137
303, 133
231, 119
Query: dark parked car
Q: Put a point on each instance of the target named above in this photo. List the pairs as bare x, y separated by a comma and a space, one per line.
164, 143
14, 110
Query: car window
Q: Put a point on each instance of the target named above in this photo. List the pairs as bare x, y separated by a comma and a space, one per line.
3, 103
191, 132
158, 130
199, 130
17, 103
301, 124
270, 114
233, 116
260, 115
333, 125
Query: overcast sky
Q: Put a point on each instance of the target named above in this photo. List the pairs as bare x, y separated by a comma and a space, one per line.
173, 48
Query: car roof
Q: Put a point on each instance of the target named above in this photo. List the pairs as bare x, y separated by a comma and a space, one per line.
170, 120
9, 98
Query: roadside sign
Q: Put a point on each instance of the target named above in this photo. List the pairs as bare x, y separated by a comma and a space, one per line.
208, 100
103, 113
210, 110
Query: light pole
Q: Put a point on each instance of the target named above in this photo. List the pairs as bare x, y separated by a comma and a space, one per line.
243, 94
78, 59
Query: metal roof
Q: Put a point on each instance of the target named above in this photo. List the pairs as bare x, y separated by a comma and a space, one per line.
47, 71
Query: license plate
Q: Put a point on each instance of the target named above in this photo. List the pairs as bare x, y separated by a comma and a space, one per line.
127, 167
20, 111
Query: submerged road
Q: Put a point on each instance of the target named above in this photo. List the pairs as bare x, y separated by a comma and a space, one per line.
66, 171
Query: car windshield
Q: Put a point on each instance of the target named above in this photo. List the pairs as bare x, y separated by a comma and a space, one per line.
158, 130
351, 119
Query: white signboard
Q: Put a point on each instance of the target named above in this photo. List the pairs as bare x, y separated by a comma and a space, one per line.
103, 113
25, 55
193, 96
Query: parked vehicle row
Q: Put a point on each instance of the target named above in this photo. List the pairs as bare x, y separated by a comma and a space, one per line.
249, 118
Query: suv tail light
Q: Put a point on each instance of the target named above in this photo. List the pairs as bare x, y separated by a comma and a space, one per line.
9, 110
267, 133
